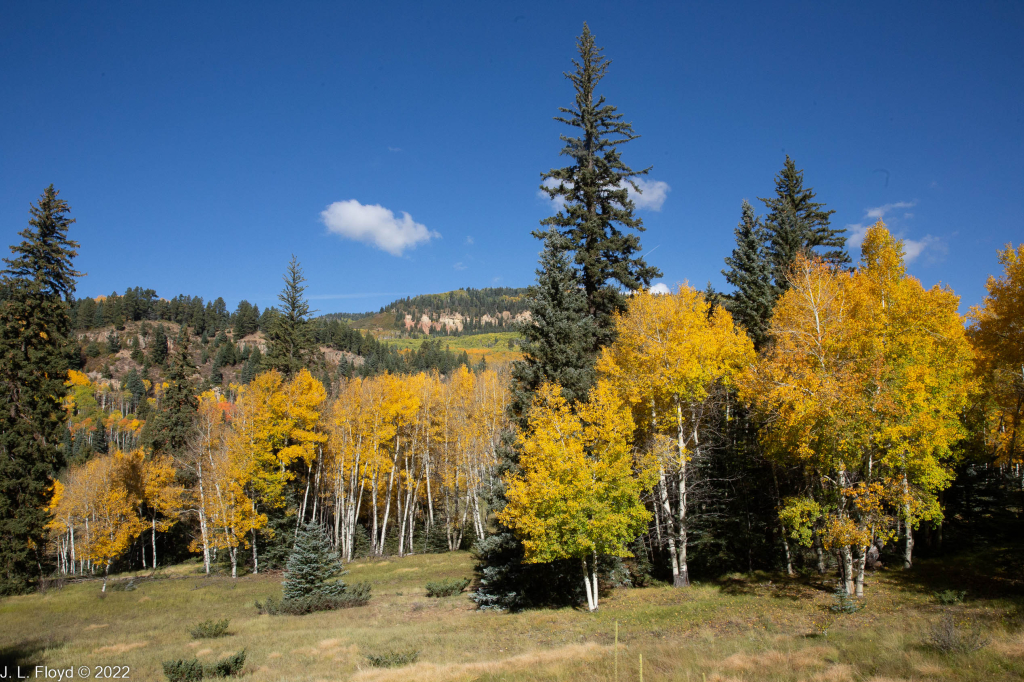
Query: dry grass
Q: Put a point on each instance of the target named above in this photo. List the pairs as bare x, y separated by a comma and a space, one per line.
743, 628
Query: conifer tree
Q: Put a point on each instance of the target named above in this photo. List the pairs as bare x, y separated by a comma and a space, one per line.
598, 217
312, 566
750, 272
36, 290
292, 343
158, 347
797, 224
179, 402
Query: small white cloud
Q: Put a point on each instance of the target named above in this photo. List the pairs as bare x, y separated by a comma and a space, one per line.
394, 149
469, 240
913, 248
652, 193
660, 288
459, 266
376, 226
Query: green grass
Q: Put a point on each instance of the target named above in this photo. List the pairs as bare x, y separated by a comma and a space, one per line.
493, 346
758, 627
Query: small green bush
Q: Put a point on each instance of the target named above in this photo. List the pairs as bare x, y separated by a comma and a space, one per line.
232, 665
447, 587
950, 597
354, 595
392, 659
183, 671
209, 629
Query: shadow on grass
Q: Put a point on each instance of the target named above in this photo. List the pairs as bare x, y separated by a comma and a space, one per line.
774, 585
980, 574
26, 654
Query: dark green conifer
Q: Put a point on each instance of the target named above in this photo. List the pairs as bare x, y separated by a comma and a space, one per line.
158, 346
179, 404
36, 290
598, 216
750, 271
796, 223
292, 344
313, 568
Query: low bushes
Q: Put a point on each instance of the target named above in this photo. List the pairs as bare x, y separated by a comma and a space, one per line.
392, 659
447, 587
354, 595
210, 629
184, 670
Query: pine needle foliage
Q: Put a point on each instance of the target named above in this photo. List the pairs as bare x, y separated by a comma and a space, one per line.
312, 566
597, 215
36, 288
750, 271
292, 344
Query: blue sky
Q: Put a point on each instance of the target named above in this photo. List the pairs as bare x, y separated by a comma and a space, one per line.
200, 144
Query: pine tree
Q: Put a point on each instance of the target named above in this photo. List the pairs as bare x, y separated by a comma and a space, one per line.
559, 341
750, 271
312, 566
36, 290
292, 344
175, 420
598, 214
796, 223
158, 348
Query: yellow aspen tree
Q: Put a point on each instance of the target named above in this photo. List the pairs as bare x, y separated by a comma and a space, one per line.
306, 438
162, 495
672, 358
347, 450
579, 491
998, 335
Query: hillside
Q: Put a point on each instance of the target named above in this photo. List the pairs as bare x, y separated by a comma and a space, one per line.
452, 313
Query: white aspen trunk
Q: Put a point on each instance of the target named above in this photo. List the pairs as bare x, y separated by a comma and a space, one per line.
593, 579
430, 497
387, 510
255, 558
671, 531
683, 579
591, 605
373, 494
305, 497
908, 547
153, 537
847, 556
72, 533
861, 560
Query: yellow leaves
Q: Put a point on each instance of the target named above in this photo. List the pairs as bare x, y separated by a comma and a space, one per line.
76, 378
578, 491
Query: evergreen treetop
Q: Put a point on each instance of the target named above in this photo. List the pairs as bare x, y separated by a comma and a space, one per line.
795, 222
598, 215
750, 271
292, 344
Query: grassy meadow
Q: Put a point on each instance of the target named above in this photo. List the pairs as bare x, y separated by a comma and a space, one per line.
745, 627
494, 346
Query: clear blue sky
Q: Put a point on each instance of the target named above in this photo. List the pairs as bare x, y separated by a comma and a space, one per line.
200, 143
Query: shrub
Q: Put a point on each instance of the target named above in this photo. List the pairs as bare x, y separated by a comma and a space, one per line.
232, 665
312, 567
183, 671
392, 659
842, 602
354, 595
210, 629
950, 597
952, 637
447, 587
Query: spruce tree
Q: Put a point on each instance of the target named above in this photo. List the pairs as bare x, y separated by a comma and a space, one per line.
312, 566
158, 347
179, 403
558, 343
36, 290
292, 344
598, 216
750, 271
796, 223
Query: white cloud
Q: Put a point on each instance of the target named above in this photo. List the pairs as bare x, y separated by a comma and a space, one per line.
376, 226
858, 230
459, 266
469, 240
652, 193
660, 288
913, 248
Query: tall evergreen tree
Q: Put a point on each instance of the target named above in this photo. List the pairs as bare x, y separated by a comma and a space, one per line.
558, 343
796, 223
179, 404
36, 290
598, 216
158, 346
292, 344
750, 271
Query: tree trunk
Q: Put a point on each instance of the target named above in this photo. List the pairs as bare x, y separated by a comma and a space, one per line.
255, 558
847, 563
154, 542
591, 597
860, 559
908, 547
